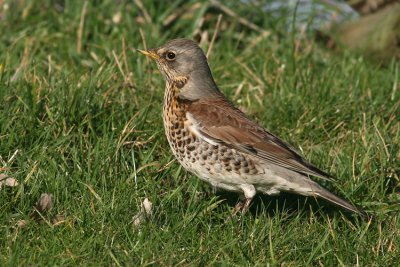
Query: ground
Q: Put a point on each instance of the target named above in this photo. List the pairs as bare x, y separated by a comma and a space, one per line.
80, 119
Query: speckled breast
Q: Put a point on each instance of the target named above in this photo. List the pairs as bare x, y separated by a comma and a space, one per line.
182, 142
196, 155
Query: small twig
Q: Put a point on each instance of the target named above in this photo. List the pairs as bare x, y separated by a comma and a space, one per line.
24, 60
143, 39
214, 35
239, 89
199, 24
134, 168
146, 15
50, 63
13, 156
125, 131
179, 12
128, 72
258, 39
383, 141
80, 29
364, 130
33, 170
250, 72
94, 193
171, 18
338, 126
119, 65
166, 166
353, 166
232, 14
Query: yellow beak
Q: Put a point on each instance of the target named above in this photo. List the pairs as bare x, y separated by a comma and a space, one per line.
149, 53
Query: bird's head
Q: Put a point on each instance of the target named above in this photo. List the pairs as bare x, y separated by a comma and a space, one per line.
181, 61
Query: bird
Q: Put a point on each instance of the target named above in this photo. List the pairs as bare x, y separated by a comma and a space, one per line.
217, 142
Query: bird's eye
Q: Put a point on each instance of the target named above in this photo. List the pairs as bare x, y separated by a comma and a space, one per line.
170, 56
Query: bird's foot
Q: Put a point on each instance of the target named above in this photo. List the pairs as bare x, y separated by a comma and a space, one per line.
242, 206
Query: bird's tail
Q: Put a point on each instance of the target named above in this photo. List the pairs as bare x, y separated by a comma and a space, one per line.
325, 194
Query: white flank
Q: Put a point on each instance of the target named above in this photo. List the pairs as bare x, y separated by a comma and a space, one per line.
194, 126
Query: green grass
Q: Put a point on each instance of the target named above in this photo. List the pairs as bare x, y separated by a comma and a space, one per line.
75, 125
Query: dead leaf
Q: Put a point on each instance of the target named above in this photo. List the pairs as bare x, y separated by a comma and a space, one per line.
45, 203
59, 219
146, 210
22, 223
7, 181
42, 207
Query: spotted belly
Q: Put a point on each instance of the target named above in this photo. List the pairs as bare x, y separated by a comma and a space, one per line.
219, 165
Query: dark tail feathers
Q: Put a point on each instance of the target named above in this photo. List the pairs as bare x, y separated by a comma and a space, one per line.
325, 194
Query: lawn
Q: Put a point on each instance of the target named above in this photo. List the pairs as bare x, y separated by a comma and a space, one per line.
80, 119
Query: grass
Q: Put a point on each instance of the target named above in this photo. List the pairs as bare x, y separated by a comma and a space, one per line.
80, 118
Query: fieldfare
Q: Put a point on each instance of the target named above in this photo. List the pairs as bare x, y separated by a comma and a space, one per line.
219, 143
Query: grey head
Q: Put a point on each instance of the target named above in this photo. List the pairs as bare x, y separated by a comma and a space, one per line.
183, 63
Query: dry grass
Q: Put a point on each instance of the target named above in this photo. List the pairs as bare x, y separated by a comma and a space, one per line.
80, 120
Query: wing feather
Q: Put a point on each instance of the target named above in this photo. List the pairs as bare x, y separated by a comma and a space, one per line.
217, 121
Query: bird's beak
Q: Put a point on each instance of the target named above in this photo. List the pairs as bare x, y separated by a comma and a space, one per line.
149, 53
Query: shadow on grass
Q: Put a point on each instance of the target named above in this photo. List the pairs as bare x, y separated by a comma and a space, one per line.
289, 204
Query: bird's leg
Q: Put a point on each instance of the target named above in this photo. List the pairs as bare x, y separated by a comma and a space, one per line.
246, 205
248, 193
242, 206
237, 208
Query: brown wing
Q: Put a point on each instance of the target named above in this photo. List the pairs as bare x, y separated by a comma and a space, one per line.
218, 121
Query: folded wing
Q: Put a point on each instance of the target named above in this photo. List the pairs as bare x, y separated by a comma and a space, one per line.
217, 121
